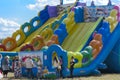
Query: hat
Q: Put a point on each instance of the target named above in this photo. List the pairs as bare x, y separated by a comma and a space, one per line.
7, 57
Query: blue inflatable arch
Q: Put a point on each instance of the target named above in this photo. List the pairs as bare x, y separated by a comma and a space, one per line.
60, 52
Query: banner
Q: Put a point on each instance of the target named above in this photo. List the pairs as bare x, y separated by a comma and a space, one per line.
34, 55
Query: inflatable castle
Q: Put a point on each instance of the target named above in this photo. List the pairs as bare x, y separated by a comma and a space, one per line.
88, 33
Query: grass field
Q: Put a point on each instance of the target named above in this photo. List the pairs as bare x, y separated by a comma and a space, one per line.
101, 77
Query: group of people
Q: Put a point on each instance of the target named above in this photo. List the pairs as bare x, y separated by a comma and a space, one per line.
29, 64
17, 66
58, 63
5, 66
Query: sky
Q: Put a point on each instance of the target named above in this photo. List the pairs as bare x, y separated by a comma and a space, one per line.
14, 13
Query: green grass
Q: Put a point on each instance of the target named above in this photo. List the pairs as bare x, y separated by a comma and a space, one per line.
107, 76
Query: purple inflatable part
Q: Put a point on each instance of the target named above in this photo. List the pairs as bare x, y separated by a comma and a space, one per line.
118, 14
117, 7
81, 4
72, 9
52, 11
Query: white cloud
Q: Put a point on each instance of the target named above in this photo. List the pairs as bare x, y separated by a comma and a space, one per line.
7, 27
68, 1
6, 22
40, 4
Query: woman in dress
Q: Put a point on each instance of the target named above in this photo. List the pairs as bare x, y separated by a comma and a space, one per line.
5, 66
17, 68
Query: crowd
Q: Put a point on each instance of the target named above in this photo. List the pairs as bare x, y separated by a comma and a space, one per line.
17, 65
29, 64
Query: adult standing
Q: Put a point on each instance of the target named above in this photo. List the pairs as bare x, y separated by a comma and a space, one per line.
72, 62
17, 67
57, 66
5, 66
29, 65
39, 68
61, 64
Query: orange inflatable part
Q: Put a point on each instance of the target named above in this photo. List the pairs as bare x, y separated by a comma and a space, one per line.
10, 43
98, 37
96, 44
95, 53
38, 42
93, 44
2, 47
50, 42
55, 39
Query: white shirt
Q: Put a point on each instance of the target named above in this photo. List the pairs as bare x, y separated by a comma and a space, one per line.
28, 63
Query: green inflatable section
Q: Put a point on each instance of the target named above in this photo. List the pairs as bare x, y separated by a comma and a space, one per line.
78, 57
87, 56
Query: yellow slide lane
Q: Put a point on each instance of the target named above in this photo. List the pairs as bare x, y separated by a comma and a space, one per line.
38, 31
78, 38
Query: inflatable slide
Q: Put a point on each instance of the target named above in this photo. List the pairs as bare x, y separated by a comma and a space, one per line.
72, 33
88, 42
36, 33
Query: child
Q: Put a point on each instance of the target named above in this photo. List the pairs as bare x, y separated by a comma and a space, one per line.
45, 71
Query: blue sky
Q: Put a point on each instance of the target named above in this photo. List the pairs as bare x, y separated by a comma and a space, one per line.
14, 13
